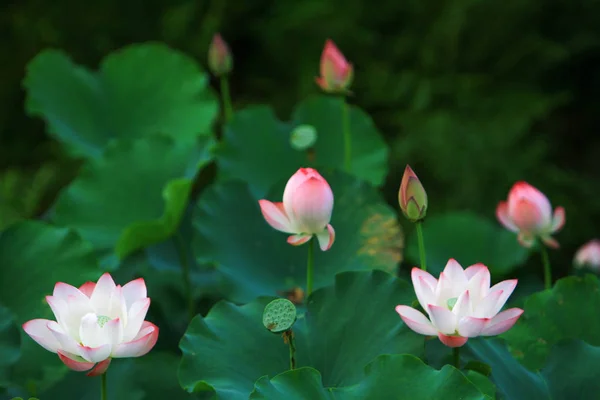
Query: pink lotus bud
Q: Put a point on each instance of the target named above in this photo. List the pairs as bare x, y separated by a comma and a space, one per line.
412, 196
220, 61
460, 305
528, 212
305, 211
336, 72
95, 323
589, 255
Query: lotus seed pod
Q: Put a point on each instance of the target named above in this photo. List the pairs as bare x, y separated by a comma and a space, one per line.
279, 315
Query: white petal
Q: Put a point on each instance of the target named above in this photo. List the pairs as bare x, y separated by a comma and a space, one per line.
455, 273
479, 281
63, 291
424, 285
136, 316
114, 331
486, 307
326, 238
69, 311
134, 291
443, 319
507, 287
102, 293
38, 330
463, 306
471, 326
67, 343
90, 332
416, 320
502, 322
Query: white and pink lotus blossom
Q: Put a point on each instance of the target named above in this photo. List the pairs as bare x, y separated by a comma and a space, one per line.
460, 305
528, 212
305, 211
588, 255
95, 323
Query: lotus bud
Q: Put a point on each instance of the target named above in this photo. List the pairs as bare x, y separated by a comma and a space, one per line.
589, 255
305, 211
336, 72
528, 212
412, 196
220, 61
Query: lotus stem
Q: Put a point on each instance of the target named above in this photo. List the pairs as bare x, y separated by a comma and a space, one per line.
226, 98
421, 245
310, 266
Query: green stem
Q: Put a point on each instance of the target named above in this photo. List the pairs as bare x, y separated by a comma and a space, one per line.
421, 245
347, 136
547, 269
185, 273
103, 391
310, 266
292, 344
226, 98
456, 357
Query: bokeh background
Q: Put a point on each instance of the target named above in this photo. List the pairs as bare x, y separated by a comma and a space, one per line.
474, 94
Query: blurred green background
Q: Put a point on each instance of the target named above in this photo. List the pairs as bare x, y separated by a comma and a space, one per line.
474, 94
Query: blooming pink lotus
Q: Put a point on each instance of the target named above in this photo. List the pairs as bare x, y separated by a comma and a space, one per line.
220, 61
336, 72
589, 255
305, 211
528, 212
95, 323
460, 305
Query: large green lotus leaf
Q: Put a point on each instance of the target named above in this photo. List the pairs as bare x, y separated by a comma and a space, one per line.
34, 256
256, 145
468, 238
256, 148
513, 381
10, 342
569, 368
369, 150
134, 195
345, 327
387, 377
140, 90
568, 311
571, 371
151, 377
254, 259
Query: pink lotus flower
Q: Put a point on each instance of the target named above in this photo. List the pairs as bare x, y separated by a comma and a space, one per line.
528, 212
95, 323
336, 72
220, 61
589, 255
460, 305
305, 211
412, 196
